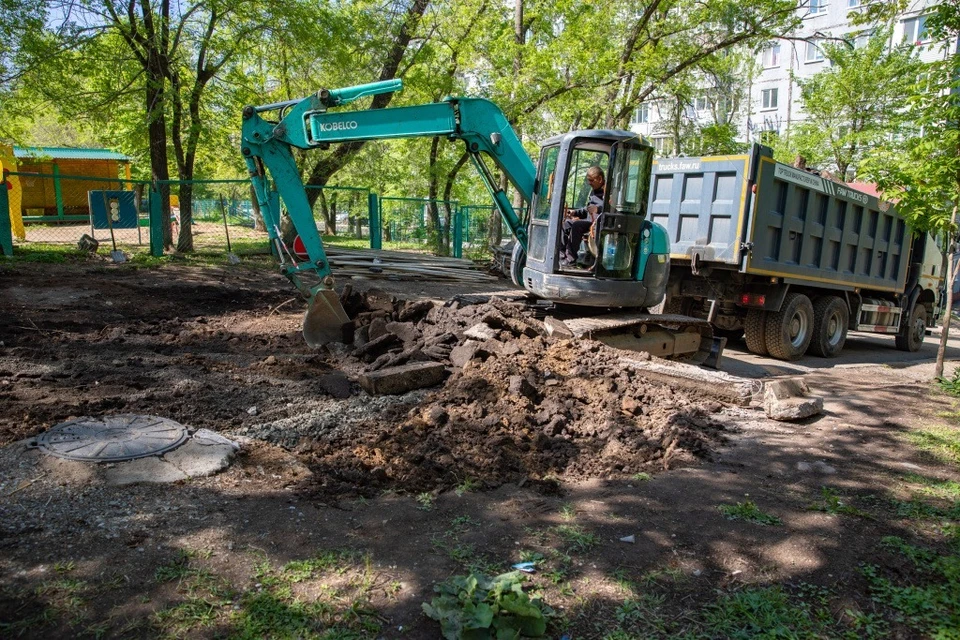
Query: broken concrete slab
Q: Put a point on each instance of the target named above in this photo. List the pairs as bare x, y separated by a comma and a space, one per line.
396, 380
789, 400
481, 331
462, 354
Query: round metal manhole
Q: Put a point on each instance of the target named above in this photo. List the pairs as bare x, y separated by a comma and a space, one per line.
112, 438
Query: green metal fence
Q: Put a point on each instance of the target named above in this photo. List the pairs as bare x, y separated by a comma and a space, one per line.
55, 209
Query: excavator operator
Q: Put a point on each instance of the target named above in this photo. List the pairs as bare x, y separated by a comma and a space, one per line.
577, 221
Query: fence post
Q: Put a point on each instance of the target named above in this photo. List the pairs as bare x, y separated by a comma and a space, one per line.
58, 189
373, 210
156, 222
6, 232
458, 233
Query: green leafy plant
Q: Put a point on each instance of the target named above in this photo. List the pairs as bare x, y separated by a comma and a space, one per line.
832, 503
950, 385
476, 607
750, 512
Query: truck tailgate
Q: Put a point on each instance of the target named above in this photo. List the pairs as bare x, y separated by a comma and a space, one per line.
701, 202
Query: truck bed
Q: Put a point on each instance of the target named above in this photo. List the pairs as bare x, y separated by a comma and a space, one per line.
794, 224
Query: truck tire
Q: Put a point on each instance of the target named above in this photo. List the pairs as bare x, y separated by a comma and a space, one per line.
755, 331
790, 330
916, 329
831, 319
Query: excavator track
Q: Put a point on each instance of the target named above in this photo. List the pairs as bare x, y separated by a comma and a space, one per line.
672, 336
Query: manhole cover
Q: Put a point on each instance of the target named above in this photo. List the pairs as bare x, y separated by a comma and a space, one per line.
113, 438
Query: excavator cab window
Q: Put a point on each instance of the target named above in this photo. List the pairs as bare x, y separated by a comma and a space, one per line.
578, 189
548, 168
619, 229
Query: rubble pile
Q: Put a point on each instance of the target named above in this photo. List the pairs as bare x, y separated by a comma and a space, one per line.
516, 406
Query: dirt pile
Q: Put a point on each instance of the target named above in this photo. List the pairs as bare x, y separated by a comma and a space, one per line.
518, 406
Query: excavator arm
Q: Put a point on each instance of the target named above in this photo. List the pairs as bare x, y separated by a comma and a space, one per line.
309, 123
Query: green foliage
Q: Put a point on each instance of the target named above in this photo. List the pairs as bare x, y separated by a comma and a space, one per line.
928, 602
950, 385
856, 104
750, 512
576, 539
942, 442
476, 607
765, 612
944, 489
832, 503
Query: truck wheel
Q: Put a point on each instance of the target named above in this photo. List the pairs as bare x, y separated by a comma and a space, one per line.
755, 331
790, 330
831, 319
912, 339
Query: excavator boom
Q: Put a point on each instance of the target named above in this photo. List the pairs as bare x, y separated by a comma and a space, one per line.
308, 124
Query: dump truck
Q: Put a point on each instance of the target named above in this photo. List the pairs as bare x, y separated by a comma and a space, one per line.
790, 259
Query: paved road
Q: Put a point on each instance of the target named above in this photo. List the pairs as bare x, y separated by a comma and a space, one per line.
860, 349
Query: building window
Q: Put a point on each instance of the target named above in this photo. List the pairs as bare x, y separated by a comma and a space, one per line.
663, 146
700, 104
915, 30
853, 4
642, 114
818, 6
768, 98
860, 39
771, 56
814, 52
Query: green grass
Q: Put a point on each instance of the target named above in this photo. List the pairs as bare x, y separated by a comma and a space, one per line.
466, 486
831, 502
48, 253
942, 442
944, 489
765, 612
425, 501
575, 538
749, 512
642, 477
929, 600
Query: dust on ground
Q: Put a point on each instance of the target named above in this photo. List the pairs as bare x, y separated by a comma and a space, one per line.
524, 430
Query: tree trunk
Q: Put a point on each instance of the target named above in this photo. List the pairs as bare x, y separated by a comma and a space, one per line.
258, 223
433, 212
157, 136
185, 241
949, 275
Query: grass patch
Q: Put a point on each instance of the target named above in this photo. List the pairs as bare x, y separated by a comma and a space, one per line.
831, 502
642, 477
943, 489
927, 602
575, 538
942, 442
466, 486
425, 501
749, 512
767, 612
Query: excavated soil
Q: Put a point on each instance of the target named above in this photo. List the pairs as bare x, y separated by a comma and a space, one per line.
530, 446
516, 405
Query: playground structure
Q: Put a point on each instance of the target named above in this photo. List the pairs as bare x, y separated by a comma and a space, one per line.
223, 215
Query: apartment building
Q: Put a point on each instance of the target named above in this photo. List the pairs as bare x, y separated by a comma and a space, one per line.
772, 103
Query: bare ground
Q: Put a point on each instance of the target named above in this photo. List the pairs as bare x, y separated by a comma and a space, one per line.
531, 444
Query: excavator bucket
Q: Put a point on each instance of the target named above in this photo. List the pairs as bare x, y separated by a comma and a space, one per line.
325, 318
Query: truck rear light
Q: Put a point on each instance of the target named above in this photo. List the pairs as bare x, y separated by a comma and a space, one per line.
753, 299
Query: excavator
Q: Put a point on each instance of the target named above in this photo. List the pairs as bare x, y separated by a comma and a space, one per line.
609, 301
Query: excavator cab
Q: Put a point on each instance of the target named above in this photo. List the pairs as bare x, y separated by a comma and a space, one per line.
624, 259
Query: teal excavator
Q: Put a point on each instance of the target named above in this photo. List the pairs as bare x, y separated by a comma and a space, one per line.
629, 274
